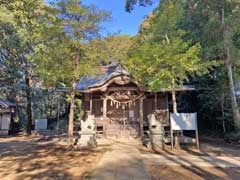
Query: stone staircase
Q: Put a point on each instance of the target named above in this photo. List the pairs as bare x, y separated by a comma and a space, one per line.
117, 131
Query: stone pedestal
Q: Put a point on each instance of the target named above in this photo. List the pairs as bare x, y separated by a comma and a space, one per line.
87, 139
156, 132
156, 138
87, 135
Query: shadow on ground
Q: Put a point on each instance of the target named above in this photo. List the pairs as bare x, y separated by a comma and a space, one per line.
37, 158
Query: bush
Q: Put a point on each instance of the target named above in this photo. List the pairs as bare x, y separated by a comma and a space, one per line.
233, 137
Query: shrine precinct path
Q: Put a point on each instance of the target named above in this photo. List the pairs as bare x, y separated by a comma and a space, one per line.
125, 162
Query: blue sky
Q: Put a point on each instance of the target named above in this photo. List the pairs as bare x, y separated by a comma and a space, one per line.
123, 22
126, 23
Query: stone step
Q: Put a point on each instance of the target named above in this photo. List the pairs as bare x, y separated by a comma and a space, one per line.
125, 133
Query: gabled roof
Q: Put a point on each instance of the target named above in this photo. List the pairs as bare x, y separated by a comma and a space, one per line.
107, 73
5, 103
110, 73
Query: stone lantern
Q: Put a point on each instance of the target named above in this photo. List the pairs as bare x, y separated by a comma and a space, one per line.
87, 132
156, 131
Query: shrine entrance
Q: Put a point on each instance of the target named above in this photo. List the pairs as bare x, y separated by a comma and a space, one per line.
124, 121
123, 112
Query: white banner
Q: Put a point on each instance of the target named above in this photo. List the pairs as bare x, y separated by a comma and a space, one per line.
183, 121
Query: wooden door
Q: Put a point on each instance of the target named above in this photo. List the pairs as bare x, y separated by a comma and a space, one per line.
124, 120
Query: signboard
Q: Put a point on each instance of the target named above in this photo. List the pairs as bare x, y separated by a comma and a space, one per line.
183, 121
131, 113
5, 120
40, 124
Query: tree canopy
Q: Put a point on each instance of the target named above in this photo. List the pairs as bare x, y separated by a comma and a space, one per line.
161, 55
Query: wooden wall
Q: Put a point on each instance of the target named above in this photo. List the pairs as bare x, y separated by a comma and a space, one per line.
149, 103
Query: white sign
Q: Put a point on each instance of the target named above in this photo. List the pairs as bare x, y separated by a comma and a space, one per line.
40, 124
131, 113
5, 121
183, 121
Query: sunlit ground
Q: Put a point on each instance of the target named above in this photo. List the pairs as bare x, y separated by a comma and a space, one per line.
32, 158
39, 158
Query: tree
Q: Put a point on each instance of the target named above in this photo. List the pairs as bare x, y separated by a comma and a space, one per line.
203, 22
229, 28
112, 48
129, 5
213, 24
22, 18
163, 58
70, 32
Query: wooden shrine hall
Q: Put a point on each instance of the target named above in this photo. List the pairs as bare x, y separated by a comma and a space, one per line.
120, 107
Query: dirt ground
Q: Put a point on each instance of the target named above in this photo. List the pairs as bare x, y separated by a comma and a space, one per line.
31, 158
208, 147
190, 173
34, 157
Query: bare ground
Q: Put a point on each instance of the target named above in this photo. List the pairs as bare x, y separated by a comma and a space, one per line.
208, 147
38, 158
31, 158
190, 173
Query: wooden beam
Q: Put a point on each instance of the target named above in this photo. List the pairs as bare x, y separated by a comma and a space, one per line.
123, 88
155, 100
141, 116
91, 104
104, 108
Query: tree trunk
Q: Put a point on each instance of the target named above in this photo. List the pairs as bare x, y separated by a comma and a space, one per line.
223, 114
29, 102
227, 60
174, 100
72, 101
71, 113
236, 115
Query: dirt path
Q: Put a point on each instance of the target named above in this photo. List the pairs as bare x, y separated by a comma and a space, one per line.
215, 160
123, 162
128, 161
36, 158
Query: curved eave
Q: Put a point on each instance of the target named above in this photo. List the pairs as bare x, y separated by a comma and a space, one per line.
125, 78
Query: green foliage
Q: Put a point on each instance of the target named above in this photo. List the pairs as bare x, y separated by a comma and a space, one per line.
129, 5
11, 48
202, 21
214, 113
112, 48
236, 39
162, 58
65, 38
233, 137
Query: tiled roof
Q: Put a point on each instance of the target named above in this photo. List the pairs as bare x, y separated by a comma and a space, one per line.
109, 72
95, 81
5, 103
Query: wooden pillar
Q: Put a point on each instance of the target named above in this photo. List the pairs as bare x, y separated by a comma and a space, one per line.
196, 133
141, 116
155, 100
104, 108
91, 104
